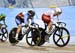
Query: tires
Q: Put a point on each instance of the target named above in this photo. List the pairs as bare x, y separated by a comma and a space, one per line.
4, 35
61, 37
12, 34
43, 34
33, 37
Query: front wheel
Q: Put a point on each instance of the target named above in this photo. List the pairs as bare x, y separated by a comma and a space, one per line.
4, 34
61, 37
33, 37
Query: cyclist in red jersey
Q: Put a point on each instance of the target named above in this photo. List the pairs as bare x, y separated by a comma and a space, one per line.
47, 17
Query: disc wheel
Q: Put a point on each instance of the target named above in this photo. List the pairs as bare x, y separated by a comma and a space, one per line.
12, 35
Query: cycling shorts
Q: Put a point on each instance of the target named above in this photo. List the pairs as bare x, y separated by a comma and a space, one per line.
19, 20
46, 18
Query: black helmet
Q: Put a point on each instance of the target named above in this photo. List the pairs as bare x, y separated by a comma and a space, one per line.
32, 13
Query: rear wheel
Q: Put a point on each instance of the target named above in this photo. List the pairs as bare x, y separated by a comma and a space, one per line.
61, 37
42, 41
4, 34
12, 35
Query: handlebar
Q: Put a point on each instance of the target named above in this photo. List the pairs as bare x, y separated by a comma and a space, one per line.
60, 24
34, 25
3, 24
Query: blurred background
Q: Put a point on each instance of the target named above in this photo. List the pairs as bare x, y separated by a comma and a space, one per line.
12, 7
35, 3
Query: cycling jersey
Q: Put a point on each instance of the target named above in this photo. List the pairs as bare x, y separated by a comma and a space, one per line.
23, 18
47, 16
21, 15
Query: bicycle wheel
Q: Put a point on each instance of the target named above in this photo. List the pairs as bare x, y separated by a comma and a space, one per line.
4, 34
42, 41
61, 37
12, 35
33, 37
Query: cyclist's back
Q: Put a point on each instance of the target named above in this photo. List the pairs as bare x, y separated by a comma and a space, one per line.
2, 16
24, 17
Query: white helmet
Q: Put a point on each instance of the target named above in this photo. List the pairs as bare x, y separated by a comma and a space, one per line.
58, 10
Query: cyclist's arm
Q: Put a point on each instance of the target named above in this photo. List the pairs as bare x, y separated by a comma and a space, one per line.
52, 17
4, 22
57, 18
30, 21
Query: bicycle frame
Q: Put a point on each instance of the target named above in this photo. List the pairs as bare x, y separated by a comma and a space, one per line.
2, 26
55, 27
26, 31
29, 28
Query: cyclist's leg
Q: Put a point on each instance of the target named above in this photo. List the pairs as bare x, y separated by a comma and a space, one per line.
46, 20
48, 31
18, 22
49, 28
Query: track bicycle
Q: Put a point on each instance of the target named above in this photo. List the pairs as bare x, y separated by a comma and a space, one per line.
31, 33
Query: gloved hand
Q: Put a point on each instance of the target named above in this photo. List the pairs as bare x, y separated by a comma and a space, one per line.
22, 24
31, 26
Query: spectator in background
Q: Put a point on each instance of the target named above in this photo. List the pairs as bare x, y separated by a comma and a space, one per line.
11, 3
